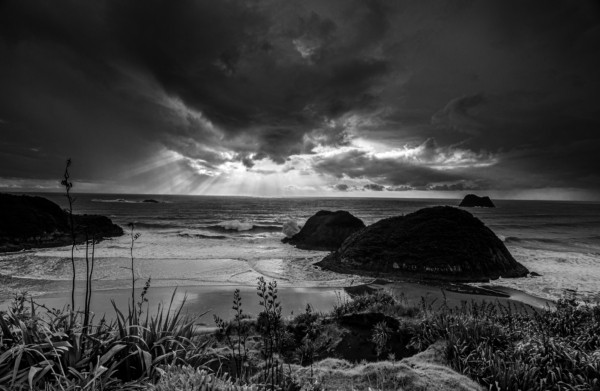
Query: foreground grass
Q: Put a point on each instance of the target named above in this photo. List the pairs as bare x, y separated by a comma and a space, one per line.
424, 371
44, 349
474, 346
515, 348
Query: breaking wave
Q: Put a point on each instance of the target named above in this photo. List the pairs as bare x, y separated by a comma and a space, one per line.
201, 236
512, 239
239, 226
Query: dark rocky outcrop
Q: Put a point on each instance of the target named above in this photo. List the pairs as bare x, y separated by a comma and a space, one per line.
34, 222
472, 200
326, 231
151, 201
442, 242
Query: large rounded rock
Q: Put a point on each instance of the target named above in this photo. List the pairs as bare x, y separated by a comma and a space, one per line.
472, 200
33, 222
326, 231
442, 242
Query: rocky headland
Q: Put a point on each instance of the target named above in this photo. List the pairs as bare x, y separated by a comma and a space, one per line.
472, 201
326, 231
33, 222
441, 243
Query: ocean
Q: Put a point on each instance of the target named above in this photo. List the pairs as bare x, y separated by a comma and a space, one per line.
203, 241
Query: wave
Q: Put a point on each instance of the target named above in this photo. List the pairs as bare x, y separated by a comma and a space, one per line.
235, 225
537, 225
567, 244
124, 201
156, 225
200, 236
228, 227
242, 226
513, 239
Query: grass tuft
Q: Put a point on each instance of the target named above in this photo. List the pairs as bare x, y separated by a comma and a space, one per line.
505, 347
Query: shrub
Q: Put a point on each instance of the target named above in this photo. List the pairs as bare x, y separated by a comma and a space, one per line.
360, 303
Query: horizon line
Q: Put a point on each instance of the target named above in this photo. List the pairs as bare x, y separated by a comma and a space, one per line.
336, 195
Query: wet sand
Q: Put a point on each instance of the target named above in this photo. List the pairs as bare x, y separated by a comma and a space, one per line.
217, 300
432, 293
414, 291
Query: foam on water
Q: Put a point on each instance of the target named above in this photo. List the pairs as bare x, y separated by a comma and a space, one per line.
559, 270
220, 240
236, 225
171, 260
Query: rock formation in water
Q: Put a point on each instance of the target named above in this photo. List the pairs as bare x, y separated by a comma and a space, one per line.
151, 201
442, 242
472, 200
33, 222
326, 231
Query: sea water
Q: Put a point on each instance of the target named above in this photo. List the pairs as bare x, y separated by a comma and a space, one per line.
202, 240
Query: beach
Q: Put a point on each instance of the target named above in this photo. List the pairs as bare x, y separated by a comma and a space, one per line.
208, 246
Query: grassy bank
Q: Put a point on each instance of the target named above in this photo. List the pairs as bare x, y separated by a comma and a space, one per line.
377, 340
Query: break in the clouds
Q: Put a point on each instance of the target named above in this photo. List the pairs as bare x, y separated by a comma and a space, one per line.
270, 97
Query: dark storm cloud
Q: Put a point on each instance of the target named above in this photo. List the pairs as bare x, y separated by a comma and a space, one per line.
227, 59
456, 187
399, 188
374, 187
360, 165
508, 88
420, 166
456, 115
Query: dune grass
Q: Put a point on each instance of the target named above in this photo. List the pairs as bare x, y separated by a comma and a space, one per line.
505, 347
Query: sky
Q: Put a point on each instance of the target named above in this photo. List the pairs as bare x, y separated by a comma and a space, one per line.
357, 98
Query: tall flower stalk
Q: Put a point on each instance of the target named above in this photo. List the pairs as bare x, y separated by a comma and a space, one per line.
68, 186
134, 237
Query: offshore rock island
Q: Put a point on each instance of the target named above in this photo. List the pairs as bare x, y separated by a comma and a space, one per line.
326, 231
28, 222
472, 201
443, 243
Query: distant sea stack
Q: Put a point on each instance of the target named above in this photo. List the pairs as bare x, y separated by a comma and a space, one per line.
472, 200
442, 242
326, 231
34, 222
